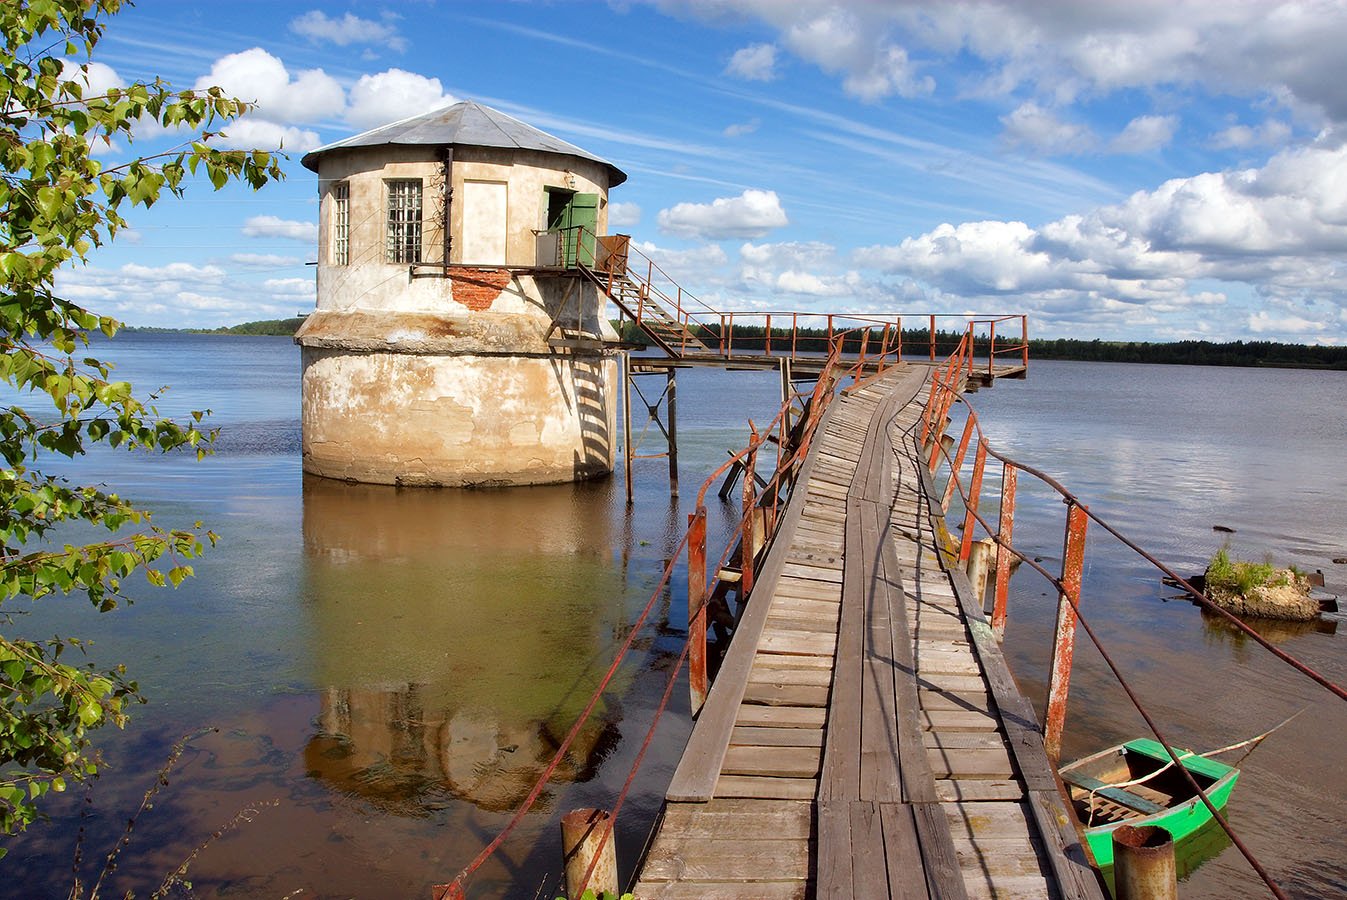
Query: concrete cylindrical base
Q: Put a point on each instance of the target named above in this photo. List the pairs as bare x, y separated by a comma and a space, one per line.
457, 420
581, 832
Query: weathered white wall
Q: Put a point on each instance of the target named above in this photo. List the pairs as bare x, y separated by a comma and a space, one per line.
411, 419
451, 380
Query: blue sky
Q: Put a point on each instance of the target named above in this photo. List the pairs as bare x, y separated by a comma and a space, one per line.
1140, 170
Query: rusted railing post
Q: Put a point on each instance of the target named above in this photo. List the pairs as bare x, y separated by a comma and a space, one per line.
588, 848
1064, 644
957, 464
746, 547
991, 352
979, 561
974, 489
697, 685
928, 419
626, 422
930, 333
1024, 340
970, 349
671, 404
1143, 863
767, 337
1003, 555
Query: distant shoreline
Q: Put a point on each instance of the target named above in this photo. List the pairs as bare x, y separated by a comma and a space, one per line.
1241, 354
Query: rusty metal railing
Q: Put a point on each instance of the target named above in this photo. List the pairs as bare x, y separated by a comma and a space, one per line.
684, 325
945, 389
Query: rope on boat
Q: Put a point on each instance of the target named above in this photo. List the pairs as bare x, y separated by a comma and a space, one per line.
1189, 754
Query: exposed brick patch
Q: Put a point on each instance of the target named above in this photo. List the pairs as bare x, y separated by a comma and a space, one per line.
477, 289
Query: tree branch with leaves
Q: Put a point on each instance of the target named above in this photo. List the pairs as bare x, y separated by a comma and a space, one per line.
57, 204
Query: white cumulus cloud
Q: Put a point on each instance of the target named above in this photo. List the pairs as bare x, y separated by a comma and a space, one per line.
96, 77
1145, 133
276, 227
257, 76
1039, 129
752, 214
264, 260
1280, 230
739, 129
346, 30
394, 94
1240, 137
624, 214
250, 132
756, 62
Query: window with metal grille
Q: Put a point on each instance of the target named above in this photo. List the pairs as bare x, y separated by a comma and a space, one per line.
341, 224
404, 221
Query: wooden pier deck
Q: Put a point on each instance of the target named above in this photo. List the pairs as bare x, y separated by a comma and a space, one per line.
863, 737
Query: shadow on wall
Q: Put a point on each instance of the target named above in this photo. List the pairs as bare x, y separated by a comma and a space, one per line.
458, 635
594, 410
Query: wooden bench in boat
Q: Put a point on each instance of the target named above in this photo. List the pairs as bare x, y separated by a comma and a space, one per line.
1121, 796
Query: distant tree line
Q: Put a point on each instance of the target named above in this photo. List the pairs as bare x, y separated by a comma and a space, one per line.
916, 342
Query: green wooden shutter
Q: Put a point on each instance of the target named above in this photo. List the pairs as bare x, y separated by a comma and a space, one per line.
584, 214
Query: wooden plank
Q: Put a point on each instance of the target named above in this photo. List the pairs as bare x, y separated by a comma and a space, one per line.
781, 673
776, 762
834, 850
939, 859
813, 573
743, 820
699, 768
957, 720
957, 762
765, 661
779, 694
780, 717
760, 736
702, 890
1070, 861
977, 789
868, 869
766, 788
917, 780
902, 851
808, 624
880, 772
977, 821
766, 860
802, 643
840, 776
972, 740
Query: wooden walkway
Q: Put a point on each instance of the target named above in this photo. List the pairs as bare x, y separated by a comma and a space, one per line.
864, 738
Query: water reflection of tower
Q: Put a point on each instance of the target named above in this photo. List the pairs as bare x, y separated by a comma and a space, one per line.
459, 636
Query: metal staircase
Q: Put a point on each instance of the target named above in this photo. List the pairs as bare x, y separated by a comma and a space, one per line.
651, 310
659, 313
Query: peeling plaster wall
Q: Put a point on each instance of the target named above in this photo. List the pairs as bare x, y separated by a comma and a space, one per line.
457, 420
450, 380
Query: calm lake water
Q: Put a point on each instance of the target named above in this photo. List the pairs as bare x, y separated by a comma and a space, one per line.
389, 670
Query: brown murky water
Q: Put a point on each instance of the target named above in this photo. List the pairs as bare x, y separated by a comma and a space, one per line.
389, 670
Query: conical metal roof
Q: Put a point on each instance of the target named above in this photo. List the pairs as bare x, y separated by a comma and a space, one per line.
466, 124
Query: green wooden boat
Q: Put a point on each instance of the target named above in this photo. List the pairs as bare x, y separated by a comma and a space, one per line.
1167, 799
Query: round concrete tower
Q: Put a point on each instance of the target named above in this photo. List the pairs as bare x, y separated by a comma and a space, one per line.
456, 340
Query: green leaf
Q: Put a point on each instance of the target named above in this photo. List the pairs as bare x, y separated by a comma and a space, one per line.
58, 205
